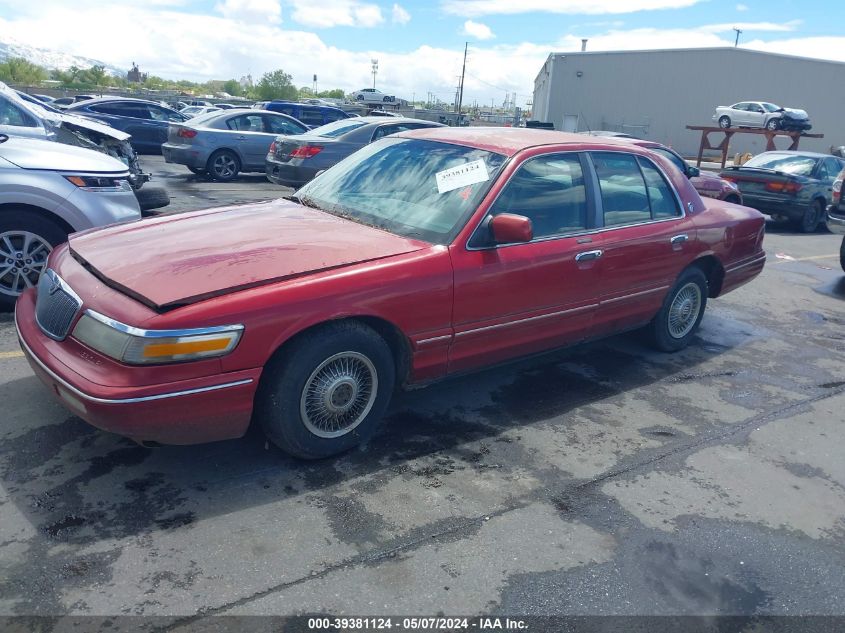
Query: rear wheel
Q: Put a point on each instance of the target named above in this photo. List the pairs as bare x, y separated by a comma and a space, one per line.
26, 240
724, 122
674, 326
326, 392
813, 214
223, 165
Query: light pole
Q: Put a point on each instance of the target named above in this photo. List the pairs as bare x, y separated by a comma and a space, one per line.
374, 62
738, 31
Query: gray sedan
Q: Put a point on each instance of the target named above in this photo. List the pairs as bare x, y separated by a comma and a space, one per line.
294, 160
226, 142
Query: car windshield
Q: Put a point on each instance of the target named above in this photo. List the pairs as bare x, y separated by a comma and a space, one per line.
770, 107
337, 128
411, 187
794, 164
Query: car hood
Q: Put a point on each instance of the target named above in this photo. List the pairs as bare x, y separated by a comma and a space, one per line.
792, 113
176, 260
29, 153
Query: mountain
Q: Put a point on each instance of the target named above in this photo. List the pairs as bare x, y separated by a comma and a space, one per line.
49, 58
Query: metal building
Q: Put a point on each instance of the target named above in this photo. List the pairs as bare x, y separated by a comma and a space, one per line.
656, 94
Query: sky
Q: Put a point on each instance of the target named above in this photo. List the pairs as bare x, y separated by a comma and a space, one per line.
419, 45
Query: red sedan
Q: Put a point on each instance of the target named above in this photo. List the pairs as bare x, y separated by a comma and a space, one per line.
423, 255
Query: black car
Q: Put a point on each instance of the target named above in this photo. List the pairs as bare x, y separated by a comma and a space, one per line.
788, 185
294, 160
146, 121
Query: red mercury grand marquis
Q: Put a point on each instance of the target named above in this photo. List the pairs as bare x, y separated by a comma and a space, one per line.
423, 255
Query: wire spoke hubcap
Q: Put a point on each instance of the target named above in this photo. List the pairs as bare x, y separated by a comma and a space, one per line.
339, 394
23, 256
683, 313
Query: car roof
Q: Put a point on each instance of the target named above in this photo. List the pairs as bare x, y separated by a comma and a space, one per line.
796, 152
509, 140
96, 100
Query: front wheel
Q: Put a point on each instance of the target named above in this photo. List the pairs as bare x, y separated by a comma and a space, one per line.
772, 125
674, 326
25, 242
326, 392
842, 254
724, 122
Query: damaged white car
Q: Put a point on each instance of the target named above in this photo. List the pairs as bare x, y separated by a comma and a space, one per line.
24, 116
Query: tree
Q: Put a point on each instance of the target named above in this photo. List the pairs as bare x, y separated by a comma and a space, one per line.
337, 93
276, 85
232, 87
22, 71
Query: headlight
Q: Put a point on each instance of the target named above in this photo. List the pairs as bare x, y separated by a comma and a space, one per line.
135, 346
99, 183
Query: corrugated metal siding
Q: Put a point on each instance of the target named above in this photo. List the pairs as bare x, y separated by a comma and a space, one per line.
656, 94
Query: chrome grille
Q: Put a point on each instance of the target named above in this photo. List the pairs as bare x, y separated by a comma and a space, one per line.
56, 305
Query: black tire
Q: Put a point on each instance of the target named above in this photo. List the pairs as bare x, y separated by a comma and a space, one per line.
196, 170
386, 99
13, 221
223, 165
724, 122
281, 403
773, 125
359, 98
842, 254
150, 198
813, 215
661, 331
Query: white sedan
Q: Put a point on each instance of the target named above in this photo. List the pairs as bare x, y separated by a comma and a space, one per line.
371, 95
761, 114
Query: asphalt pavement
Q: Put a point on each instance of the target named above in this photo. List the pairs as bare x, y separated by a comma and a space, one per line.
606, 479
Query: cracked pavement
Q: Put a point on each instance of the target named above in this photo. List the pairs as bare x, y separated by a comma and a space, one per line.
606, 479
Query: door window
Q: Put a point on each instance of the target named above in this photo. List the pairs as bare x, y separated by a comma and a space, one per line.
246, 123
311, 116
121, 108
280, 125
549, 190
161, 114
10, 114
661, 196
633, 190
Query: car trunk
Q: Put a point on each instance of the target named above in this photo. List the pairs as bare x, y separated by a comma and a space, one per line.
764, 182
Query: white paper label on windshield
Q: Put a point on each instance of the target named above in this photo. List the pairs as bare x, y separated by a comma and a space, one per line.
461, 176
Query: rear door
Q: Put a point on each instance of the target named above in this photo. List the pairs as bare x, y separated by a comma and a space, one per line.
132, 118
517, 299
250, 139
15, 121
646, 240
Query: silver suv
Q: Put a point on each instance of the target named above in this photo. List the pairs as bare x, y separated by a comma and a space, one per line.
47, 191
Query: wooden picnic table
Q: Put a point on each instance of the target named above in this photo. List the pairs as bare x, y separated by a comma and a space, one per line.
729, 132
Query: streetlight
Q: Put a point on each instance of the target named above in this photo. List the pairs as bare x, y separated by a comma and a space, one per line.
374, 62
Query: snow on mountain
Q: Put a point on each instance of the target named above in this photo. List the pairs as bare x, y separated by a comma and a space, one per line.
50, 58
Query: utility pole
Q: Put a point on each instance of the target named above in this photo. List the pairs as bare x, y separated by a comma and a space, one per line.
461, 88
374, 62
738, 31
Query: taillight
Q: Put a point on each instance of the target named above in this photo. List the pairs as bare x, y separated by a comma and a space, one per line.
837, 191
784, 187
306, 151
272, 149
185, 132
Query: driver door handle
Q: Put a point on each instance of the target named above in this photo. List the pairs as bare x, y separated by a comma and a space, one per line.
678, 239
588, 255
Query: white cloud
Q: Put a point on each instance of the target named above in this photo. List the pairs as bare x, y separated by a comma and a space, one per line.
329, 13
591, 7
742, 7
261, 11
477, 30
400, 15
750, 26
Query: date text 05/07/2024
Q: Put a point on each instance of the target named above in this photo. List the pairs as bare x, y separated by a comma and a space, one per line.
415, 624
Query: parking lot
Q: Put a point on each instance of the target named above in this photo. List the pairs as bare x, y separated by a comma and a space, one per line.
607, 479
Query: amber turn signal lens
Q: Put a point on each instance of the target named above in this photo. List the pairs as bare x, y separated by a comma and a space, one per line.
157, 350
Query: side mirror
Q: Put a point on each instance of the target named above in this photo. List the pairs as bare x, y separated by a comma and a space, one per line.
508, 228
692, 172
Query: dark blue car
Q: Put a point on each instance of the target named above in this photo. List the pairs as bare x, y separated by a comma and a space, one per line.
146, 121
310, 115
